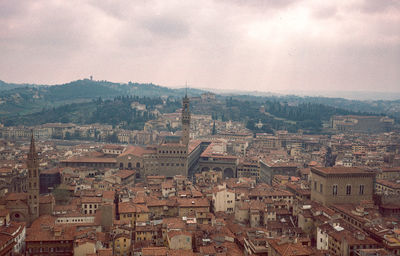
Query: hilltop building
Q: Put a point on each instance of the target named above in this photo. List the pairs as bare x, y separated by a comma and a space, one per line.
363, 124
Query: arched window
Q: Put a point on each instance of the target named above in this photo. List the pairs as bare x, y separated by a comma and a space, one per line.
121, 165
137, 165
129, 165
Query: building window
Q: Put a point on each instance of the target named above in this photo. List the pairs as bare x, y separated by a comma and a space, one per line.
334, 190
320, 188
315, 185
361, 189
348, 189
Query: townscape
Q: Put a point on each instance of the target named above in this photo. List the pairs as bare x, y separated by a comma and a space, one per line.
210, 188
200, 128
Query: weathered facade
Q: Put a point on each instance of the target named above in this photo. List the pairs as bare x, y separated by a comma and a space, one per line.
335, 185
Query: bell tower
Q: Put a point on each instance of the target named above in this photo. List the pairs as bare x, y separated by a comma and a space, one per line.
185, 120
33, 181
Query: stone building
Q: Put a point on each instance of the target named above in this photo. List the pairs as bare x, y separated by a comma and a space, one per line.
24, 207
33, 182
249, 167
169, 158
269, 169
363, 124
335, 185
11, 181
223, 199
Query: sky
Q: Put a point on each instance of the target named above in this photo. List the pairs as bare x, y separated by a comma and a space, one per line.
256, 45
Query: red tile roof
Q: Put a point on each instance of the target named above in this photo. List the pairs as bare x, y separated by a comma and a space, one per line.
339, 170
193, 202
137, 151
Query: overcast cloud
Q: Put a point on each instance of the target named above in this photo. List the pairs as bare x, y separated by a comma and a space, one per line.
265, 45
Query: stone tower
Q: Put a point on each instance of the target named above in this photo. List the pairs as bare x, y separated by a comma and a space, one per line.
185, 120
33, 181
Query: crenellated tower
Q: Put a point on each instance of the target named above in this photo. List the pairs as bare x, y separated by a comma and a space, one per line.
33, 181
185, 120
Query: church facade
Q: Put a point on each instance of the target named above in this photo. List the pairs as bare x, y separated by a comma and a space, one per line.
25, 207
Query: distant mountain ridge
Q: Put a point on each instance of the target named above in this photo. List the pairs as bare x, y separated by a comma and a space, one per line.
17, 99
22, 99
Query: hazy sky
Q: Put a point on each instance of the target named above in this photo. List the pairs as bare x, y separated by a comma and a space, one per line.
265, 45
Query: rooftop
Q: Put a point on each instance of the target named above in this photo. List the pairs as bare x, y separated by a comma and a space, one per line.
339, 170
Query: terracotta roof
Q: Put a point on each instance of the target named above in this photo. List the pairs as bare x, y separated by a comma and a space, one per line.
339, 170
14, 228
16, 196
129, 207
154, 251
125, 173
180, 253
388, 183
4, 212
89, 160
137, 151
42, 229
108, 195
193, 144
110, 146
290, 249
91, 199
5, 239
193, 202
174, 223
173, 233
208, 250
104, 252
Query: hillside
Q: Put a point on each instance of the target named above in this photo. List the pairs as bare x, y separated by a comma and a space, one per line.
86, 101
26, 99
117, 111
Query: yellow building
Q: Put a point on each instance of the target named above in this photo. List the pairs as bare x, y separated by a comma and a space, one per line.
90, 204
122, 244
82, 247
188, 206
133, 213
149, 233
387, 187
